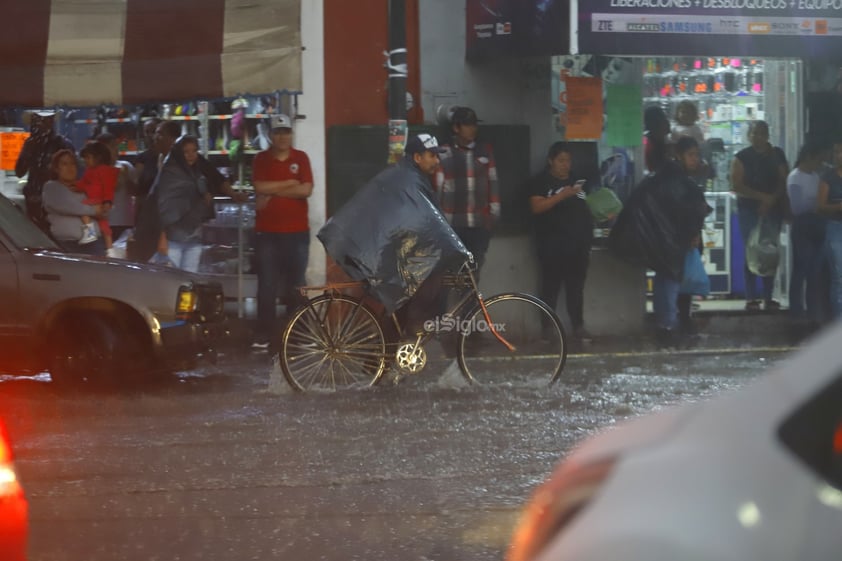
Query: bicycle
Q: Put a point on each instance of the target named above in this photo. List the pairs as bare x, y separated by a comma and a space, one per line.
339, 340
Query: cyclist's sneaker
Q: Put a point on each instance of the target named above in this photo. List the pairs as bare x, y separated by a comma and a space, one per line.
88, 234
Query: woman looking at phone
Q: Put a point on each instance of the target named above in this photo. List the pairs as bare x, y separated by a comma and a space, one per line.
563, 234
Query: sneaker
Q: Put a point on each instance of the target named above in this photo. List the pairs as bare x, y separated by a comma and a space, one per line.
88, 234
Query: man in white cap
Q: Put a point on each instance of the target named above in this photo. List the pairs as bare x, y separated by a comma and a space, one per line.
34, 159
283, 181
422, 152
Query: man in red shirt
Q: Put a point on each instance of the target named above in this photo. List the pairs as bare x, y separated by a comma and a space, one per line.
282, 181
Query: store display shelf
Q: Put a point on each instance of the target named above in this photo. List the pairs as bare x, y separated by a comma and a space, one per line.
127, 120
248, 116
227, 152
722, 97
218, 117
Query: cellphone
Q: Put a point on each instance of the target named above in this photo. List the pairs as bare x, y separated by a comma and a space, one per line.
580, 183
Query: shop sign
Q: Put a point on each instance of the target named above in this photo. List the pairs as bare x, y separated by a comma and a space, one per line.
761, 28
498, 28
584, 109
11, 143
625, 118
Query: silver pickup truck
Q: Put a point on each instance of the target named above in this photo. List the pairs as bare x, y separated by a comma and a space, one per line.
90, 319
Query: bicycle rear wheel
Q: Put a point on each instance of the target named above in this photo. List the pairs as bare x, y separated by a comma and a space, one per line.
540, 349
333, 342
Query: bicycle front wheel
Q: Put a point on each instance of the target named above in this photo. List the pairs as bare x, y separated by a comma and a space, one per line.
333, 342
534, 331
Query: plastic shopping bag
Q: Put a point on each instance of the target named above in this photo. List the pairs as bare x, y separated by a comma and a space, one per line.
695, 279
762, 248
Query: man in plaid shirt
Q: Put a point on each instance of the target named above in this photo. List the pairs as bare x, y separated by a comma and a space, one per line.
467, 187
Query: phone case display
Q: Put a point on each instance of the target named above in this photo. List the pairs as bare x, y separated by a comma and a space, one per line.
728, 93
229, 240
716, 239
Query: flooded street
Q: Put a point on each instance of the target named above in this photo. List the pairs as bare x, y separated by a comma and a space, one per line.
212, 466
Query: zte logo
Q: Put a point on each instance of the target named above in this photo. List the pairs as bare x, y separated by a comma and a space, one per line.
604, 25
729, 23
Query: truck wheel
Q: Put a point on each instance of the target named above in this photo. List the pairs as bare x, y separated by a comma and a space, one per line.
85, 350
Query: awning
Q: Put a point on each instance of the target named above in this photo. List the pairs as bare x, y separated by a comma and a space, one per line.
90, 52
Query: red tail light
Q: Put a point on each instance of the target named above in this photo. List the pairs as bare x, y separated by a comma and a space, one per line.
5, 449
14, 510
554, 505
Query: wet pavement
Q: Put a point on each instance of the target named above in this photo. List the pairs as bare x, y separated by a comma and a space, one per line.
212, 465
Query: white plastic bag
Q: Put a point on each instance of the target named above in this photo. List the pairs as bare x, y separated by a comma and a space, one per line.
762, 248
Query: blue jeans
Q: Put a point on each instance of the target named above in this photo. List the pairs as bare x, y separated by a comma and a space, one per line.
665, 301
833, 245
748, 219
185, 255
807, 260
281, 262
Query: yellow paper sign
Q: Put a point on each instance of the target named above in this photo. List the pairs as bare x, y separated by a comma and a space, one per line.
584, 109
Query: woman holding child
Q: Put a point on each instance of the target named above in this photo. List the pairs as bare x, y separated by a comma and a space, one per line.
65, 205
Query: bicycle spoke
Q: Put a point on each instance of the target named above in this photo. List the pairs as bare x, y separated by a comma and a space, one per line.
334, 342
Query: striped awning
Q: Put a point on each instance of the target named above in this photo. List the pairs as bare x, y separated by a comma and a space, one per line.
90, 52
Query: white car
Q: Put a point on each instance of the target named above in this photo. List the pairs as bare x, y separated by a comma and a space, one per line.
752, 475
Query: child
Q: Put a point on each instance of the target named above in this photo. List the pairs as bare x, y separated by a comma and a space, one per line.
686, 115
98, 182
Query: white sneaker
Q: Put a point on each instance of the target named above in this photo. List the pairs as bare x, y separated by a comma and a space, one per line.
88, 234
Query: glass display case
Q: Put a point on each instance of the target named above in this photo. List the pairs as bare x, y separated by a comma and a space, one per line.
229, 239
729, 93
716, 240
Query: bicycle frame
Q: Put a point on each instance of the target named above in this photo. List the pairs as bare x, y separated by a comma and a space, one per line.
464, 279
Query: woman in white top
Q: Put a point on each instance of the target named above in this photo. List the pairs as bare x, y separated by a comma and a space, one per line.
807, 235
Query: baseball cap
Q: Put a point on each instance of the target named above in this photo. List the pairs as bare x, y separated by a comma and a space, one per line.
464, 116
279, 121
422, 143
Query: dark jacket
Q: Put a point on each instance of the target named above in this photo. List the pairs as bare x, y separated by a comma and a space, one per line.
181, 191
659, 221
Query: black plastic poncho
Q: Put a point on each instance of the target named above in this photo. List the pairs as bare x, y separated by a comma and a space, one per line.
392, 236
659, 221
